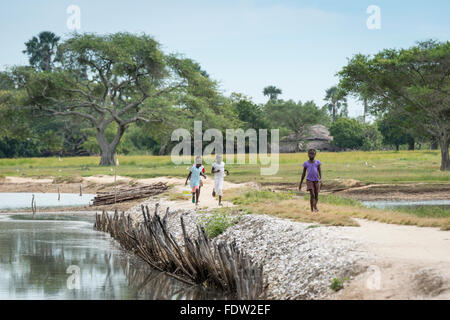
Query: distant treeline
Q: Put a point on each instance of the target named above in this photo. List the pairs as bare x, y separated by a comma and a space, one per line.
120, 93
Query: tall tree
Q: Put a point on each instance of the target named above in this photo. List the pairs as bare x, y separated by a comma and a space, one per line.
413, 82
394, 131
295, 116
128, 79
347, 133
249, 113
41, 50
336, 101
272, 92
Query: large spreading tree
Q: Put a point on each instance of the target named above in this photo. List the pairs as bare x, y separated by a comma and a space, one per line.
113, 81
414, 82
294, 117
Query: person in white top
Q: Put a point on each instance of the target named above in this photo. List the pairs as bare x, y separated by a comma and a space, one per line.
218, 168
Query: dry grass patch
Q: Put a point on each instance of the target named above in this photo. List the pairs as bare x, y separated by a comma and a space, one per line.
68, 179
175, 196
334, 210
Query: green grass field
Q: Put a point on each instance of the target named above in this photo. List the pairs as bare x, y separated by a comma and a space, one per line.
368, 167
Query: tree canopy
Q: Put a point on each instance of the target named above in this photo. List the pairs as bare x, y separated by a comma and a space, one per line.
272, 92
337, 102
414, 82
41, 50
115, 79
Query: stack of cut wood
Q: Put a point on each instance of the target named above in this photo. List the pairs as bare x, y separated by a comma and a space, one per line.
122, 195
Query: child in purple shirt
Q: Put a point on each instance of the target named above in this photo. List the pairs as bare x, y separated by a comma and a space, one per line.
313, 179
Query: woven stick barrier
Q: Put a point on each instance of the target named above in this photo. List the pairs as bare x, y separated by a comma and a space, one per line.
200, 261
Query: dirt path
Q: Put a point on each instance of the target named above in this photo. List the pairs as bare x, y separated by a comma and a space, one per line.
106, 183
207, 201
408, 262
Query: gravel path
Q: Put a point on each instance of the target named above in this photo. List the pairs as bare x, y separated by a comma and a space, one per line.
300, 259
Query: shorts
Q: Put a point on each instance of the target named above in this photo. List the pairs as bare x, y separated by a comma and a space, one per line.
313, 185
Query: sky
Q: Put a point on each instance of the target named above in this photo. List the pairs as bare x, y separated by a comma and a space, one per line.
296, 45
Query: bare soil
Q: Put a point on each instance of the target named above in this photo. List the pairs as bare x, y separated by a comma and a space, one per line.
420, 191
408, 262
357, 190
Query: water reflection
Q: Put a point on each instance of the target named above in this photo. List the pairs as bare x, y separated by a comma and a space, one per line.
22, 200
35, 255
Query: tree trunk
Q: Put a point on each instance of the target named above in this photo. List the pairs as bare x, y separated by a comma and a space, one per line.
365, 110
107, 154
434, 144
334, 113
397, 147
108, 149
445, 161
107, 157
411, 144
162, 149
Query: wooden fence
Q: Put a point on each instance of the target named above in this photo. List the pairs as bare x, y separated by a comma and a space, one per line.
199, 261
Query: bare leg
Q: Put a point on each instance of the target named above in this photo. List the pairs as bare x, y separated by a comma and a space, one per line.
220, 200
316, 193
312, 199
197, 193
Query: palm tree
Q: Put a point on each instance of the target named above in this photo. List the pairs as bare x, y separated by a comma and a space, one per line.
272, 92
336, 101
41, 49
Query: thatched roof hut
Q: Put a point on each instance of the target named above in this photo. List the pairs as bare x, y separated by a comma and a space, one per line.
315, 137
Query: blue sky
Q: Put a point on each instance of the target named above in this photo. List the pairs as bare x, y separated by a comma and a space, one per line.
297, 46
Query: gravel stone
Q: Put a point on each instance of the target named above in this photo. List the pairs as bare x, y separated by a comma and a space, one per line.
300, 261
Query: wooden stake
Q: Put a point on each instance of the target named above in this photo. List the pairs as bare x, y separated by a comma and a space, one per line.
115, 180
33, 205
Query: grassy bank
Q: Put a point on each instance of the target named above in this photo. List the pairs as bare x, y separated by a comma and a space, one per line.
334, 210
368, 167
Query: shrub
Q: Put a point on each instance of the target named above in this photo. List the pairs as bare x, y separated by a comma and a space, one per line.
337, 284
372, 138
217, 223
347, 133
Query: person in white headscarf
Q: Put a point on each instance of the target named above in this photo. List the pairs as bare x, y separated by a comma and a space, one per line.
218, 169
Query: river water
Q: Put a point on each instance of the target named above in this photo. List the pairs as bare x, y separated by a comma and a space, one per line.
382, 204
22, 200
60, 256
